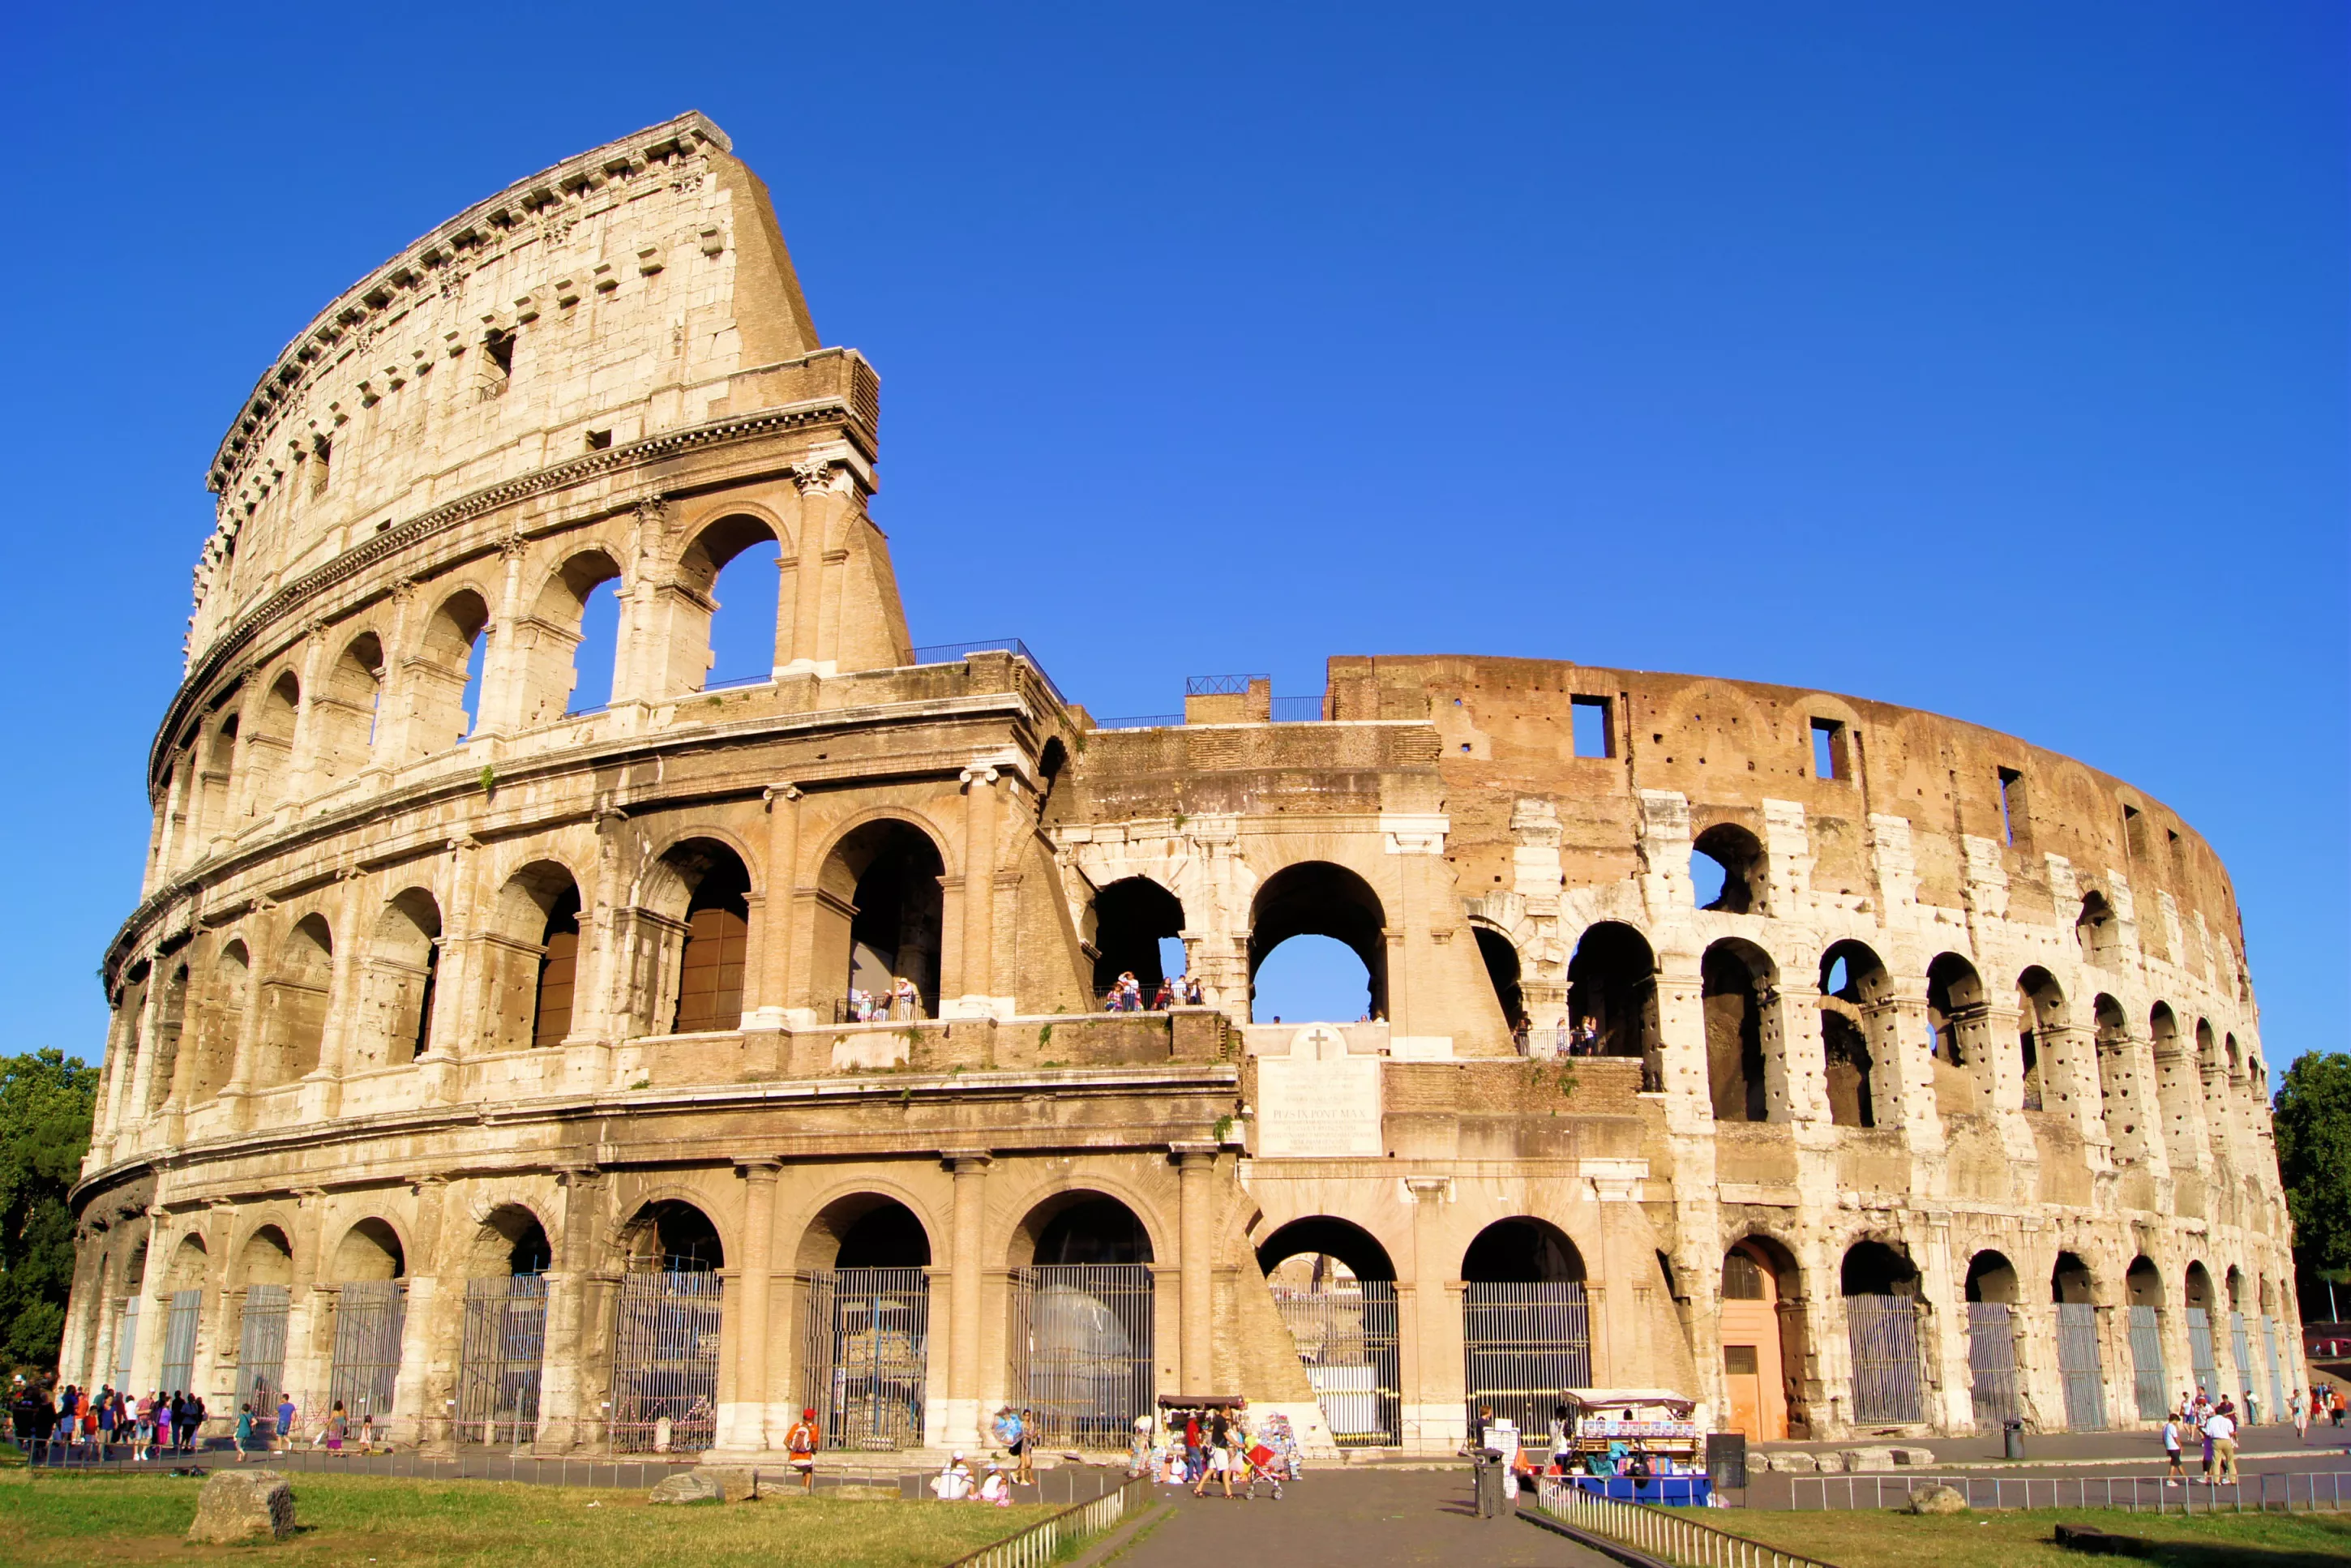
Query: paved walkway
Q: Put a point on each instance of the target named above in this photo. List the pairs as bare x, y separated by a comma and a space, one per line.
1353, 1517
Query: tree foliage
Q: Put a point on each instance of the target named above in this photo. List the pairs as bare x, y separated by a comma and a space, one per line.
45, 1102
2313, 1118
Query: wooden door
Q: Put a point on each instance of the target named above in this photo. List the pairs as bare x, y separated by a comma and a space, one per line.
1744, 1387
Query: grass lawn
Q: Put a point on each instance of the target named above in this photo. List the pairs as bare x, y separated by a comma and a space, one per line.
1868, 1538
352, 1520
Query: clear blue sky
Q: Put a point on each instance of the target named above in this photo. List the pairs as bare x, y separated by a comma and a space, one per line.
1987, 358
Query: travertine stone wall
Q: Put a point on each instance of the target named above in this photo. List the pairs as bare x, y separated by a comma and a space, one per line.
414, 970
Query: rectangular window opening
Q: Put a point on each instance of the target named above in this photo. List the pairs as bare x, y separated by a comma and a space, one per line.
1595, 735
322, 452
2012, 803
497, 352
1829, 759
597, 440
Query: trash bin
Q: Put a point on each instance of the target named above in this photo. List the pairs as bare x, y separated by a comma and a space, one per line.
1493, 1501
2013, 1438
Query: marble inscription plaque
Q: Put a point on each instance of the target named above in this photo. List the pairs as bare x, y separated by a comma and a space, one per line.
1318, 1102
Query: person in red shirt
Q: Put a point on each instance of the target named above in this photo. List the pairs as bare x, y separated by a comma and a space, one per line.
801, 1442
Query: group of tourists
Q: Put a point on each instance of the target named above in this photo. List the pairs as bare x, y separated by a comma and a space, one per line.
2324, 1405
1222, 1445
77, 1423
2199, 1416
1126, 994
902, 1003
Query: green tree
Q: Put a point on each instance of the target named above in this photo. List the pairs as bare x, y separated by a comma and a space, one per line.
2313, 1118
45, 1102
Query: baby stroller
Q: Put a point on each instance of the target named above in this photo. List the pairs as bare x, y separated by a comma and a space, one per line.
1273, 1458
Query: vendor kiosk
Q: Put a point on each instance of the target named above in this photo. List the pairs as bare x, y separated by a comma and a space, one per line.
1606, 1427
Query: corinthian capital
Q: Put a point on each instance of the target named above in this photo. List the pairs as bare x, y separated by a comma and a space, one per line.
818, 476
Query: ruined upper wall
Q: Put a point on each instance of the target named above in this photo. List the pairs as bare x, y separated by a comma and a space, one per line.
1505, 729
626, 291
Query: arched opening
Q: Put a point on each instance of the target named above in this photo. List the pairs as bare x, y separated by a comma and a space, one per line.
2240, 1345
1727, 870
2175, 1095
533, 967
2202, 1362
343, 712
1334, 1287
403, 968
1762, 1341
866, 1364
220, 1024
561, 672
1991, 1301
718, 932
1880, 1287
1136, 922
1525, 1328
734, 565
295, 1003
268, 770
879, 923
2041, 1004
264, 1270
666, 1332
1502, 969
1612, 998
1959, 1029
1082, 1320
170, 1027
2074, 1292
369, 1306
444, 681
1854, 1022
2097, 930
184, 1286
504, 1340
2118, 1098
216, 784
1736, 980
2150, 1380
1316, 898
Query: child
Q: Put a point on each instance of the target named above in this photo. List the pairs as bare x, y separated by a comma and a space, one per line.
243, 1432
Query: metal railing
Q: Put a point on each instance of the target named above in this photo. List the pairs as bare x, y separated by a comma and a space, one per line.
1660, 1531
1049, 1539
1143, 721
950, 652
2306, 1491
1299, 710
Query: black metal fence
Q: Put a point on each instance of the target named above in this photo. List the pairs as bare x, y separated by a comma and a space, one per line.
1991, 1363
1081, 1347
1521, 1344
866, 1356
500, 1347
1345, 1332
665, 1362
2150, 1382
2078, 1363
1882, 1333
369, 1318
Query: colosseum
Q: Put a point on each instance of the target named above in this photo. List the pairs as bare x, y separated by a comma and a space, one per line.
528, 1067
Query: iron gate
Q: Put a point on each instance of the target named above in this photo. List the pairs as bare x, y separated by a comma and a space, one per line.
1521, 1346
2078, 1363
665, 1362
866, 1357
2244, 1355
499, 1352
1882, 1333
261, 1350
126, 1340
1081, 1347
2268, 1353
370, 1316
1992, 1359
2200, 1351
1345, 1331
2149, 1380
179, 1341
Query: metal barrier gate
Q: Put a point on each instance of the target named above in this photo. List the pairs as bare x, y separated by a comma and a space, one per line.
866, 1358
2200, 1351
1521, 1344
2268, 1353
126, 1341
179, 1341
1345, 1331
1883, 1334
1992, 1359
1082, 1349
370, 1316
261, 1350
2149, 1380
2244, 1352
2078, 1363
500, 1349
665, 1362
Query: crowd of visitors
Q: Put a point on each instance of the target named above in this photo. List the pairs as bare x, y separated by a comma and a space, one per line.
75, 1422
902, 1003
2212, 1424
1222, 1445
1126, 994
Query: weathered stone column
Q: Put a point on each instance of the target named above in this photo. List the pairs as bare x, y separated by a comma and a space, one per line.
1433, 1414
429, 1339
322, 1093
961, 1422
1795, 1077
569, 1385
743, 1424
306, 1366
979, 999
771, 991
823, 501
1196, 1162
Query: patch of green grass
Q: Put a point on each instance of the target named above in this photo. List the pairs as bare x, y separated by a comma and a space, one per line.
2019, 1539
355, 1520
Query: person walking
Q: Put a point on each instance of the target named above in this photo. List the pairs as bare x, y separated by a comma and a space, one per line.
1011, 1435
241, 1435
2173, 1475
802, 1443
339, 1425
2221, 1429
285, 1420
1025, 1472
2334, 1406
2301, 1408
1220, 1456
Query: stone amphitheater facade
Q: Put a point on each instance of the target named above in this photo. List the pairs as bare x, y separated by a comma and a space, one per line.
485, 1062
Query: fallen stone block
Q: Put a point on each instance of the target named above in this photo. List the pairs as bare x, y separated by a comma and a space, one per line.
1912, 1458
688, 1485
1862, 1461
242, 1505
1937, 1499
1832, 1464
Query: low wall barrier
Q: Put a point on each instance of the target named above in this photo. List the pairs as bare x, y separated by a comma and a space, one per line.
1669, 1534
2322, 1492
1048, 1539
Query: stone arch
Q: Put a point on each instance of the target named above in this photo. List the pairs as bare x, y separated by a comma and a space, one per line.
1739, 855
881, 914
2071, 1281
866, 1229
216, 780
1323, 898
1857, 1034
2096, 930
1322, 1236
2041, 1013
1125, 923
1992, 1277
1501, 956
1522, 1249
2118, 1100
190, 1266
1764, 1353
1084, 1223
1959, 1025
371, 1250
400, 974
267, 744
738, 535
510, 1239
227, 992
266, 1258
530, 960
547, 661
700, 885
1612, 992
293, 1001
672, 1235
450, 650
344, 708
169, 1035
1737, 981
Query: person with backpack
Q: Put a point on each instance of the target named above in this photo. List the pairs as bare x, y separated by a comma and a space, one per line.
801, 1442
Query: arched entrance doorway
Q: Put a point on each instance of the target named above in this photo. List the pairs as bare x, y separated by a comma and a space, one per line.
879, 922
1881, 1316
504, 1335
2201, 1359
2073, 1293
1335, 1289
865, 1351
1992, 1340
2150, 1380
665, 1333
1081, 1328
371, 1309
1316, 898
1526, 1331
1762, 1341
265, 1269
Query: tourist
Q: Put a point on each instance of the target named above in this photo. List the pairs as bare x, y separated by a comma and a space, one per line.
996, 1489
2173, 1475
1011, 1434
142, 1428
196, 1414
2336, 1407
338, 1426
905, 1002
1562, 1440
1191, 992
285, 1420
801, 1442
1024, 1473
163, 1422
242, 1435
1138, 1455
953, 1483
2221, 1431
1219, 1456
1196, 1463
